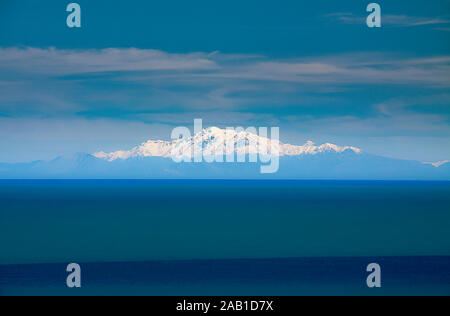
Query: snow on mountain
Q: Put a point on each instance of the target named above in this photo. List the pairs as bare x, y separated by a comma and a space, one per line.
312, 149
215, 141
306, 162
148, 149
438, 164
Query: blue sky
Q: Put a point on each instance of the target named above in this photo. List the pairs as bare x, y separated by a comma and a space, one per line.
136, 69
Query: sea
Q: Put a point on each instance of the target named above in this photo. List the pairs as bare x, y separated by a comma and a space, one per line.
224, 238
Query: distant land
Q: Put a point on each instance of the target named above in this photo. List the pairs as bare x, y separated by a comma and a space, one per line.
153, 160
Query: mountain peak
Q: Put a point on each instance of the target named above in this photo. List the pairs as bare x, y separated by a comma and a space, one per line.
214, 139
214, 130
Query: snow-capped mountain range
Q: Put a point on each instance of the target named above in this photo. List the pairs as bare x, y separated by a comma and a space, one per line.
154, 160
215, 140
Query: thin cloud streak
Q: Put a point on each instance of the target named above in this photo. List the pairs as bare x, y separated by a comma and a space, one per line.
388, 19
199, 68
64, 62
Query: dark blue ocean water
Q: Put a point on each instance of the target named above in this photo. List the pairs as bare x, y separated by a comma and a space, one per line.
255, 277
224, 237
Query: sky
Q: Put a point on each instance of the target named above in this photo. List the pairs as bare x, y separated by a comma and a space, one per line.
137, 69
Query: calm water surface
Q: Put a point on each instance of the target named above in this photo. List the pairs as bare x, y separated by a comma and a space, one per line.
224, 237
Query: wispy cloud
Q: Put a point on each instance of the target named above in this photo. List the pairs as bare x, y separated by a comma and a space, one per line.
204, 68
406, 21
444, 29
132, 83
61, 62
346, 17
389, 19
